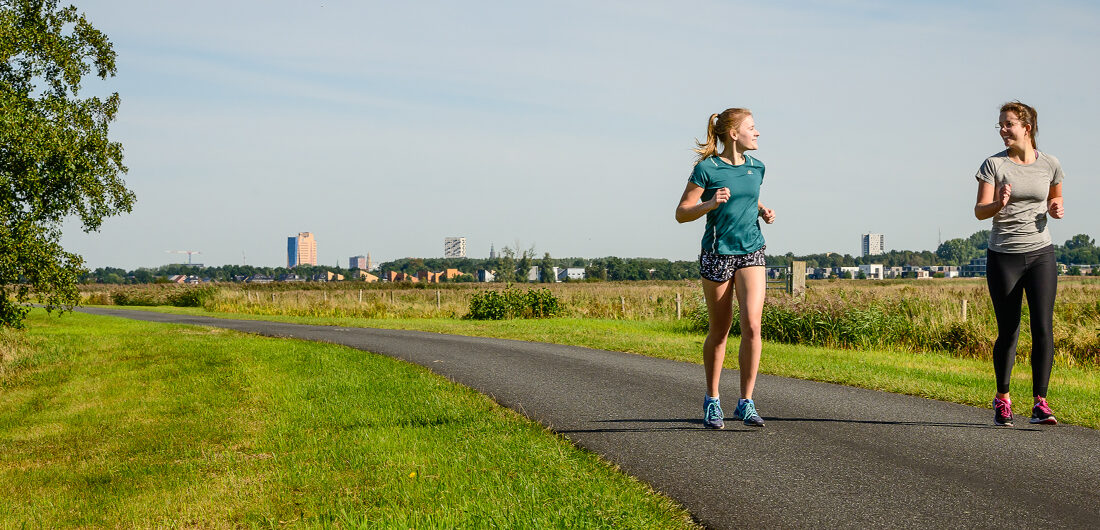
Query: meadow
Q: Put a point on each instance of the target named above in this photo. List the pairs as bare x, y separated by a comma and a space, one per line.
952, 316
112, 423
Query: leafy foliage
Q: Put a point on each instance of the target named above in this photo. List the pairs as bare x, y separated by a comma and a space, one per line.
513, 303
56, 159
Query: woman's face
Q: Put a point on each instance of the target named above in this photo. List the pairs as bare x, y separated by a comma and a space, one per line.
1013, 131
745, 134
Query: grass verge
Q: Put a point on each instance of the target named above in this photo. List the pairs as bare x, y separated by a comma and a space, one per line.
1074, 391
115, 423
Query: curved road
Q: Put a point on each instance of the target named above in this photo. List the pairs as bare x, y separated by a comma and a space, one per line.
830, 455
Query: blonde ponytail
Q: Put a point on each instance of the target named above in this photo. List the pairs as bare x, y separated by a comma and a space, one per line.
718, 128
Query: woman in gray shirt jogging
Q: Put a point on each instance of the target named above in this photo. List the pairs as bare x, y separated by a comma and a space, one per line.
1019, 187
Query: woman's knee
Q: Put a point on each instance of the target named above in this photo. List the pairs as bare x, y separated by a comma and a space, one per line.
751, 330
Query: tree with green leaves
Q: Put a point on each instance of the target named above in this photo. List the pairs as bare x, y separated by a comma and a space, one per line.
546, 269
507, 271
56, 159
523, 265
956, 251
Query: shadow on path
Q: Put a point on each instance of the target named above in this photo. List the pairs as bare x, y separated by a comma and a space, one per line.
693, 424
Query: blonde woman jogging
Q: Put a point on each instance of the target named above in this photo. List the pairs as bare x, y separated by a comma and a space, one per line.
725, 187
1019, 187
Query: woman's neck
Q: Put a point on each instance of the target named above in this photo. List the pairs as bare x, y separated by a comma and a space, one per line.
1023, 155
733, 156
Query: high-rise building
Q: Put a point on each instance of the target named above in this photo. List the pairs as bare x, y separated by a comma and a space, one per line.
873, 244
301, 250
454, 247
358, 262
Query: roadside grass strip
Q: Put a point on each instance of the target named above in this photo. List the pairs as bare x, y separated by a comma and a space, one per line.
107, 422
1074, 390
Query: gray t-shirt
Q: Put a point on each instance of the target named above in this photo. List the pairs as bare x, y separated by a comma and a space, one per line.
1021, 226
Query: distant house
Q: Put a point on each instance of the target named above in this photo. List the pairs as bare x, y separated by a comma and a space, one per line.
396, 276
840, 271
259, 278
363, 275
976, 268
534, 274
486, 275
873, 271
571, 274
948, 271
291, 278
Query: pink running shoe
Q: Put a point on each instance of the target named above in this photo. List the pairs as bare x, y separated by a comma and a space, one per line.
1041, 412
1002, 412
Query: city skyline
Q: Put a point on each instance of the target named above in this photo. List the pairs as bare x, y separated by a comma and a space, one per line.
569, 126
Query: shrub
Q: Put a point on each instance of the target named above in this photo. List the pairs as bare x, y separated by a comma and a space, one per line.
512, 303
191, 296
136, 297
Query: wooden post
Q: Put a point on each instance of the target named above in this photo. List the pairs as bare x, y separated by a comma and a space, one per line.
437, 299
360, 296
324, 294
964, 310
391, 297
796, 279
622, 302
678, 311
273, 297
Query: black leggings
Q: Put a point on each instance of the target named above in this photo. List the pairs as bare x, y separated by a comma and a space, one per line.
1009, 277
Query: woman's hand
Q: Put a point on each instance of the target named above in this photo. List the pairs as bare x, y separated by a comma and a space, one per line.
1055, 208
1004, 191
721, 196
767, 214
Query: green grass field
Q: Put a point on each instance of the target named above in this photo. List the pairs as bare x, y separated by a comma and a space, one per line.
108, 422
1074, 390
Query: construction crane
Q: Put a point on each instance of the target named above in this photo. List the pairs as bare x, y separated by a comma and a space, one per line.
188, 252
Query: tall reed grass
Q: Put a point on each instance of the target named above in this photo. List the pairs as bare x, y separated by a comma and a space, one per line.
915, 315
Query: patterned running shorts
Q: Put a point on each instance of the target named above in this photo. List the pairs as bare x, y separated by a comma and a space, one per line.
720, 267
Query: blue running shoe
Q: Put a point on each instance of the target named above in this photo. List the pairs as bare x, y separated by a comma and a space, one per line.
746, 410
712, 413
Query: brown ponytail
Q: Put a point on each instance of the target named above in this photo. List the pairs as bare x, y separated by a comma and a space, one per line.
718, 128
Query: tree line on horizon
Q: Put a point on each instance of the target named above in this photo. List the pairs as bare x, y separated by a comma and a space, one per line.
512, 266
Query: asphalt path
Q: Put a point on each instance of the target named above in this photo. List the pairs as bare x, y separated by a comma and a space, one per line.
830, 455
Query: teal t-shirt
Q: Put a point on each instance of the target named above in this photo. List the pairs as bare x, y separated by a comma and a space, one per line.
732, 227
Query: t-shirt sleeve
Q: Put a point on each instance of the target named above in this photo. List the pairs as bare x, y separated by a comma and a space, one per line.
987, 173
699, 177
1057, 178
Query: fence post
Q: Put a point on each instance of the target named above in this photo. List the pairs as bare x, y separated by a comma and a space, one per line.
273, 297
324, 294
622, 302
360, 296
964, 310
437, 297
678, 312
796, 278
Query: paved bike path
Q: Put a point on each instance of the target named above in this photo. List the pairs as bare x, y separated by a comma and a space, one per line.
829, 456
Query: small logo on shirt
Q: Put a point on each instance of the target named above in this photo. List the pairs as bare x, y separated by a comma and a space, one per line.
750, 172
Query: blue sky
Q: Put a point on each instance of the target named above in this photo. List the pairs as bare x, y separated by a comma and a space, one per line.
383, 127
